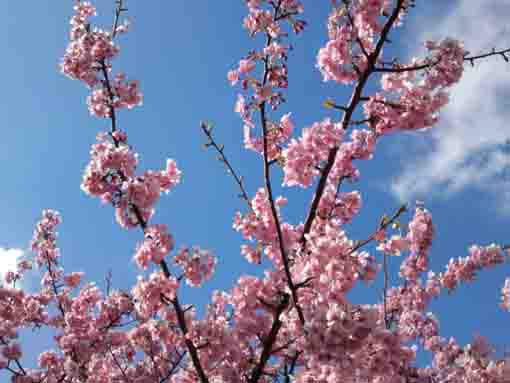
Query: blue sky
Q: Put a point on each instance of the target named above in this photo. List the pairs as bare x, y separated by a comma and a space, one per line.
181, 55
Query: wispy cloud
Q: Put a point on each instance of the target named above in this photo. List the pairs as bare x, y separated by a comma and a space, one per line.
471, 146
9, 259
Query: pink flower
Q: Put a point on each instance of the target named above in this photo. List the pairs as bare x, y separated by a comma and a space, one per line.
157, 244
246, 66
197, 265
73, 279
12, 351
233, 77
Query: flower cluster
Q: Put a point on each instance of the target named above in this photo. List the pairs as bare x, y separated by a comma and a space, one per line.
352, 30
464, 269
266, 17
110, 175
296, 320
260, 20
413, 102
44, 241
419, 238
157, 244
277, 134
88, 49
259, 225
121, 94
149, 293
303, 156
197, 265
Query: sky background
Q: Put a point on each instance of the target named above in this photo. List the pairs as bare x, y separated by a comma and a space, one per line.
181, 54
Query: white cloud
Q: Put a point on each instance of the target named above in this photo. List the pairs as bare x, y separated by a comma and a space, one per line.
9, 259
469, 147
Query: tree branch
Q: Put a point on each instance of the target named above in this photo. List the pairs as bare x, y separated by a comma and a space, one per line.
230, 170
346, 119
270, 339
382, 226
268, 187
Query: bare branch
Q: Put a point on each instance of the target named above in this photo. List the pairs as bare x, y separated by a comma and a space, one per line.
230, 170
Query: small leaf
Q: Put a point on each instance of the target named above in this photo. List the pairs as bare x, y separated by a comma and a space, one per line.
384, 221
329, 103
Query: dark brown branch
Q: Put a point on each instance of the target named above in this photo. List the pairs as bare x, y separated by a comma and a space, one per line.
18, 363
108, 86
174, 367
382, 226
399, 69
143, 224
268, 187
270, 339
189, 343
494, 52
361, 122
119, 9
346, 119
122, 370
331, 104
290, 370
385, 291
230, 170
358, 40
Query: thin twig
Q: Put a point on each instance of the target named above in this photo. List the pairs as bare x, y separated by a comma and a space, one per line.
494, 52
383, 225
385, 292
230, 170
118, 10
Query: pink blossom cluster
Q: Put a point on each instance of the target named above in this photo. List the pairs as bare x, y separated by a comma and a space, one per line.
303, 156
338, 208
505, 295
258, 225
352, 29
265, 21
276, 135
465, 269
419, 238
110, 175
148, 293
124, 94
298, 320
361, 147
332, 266
266, 17
88, 54
413, 102
156, 246
88, 49
447, 58
274, 58
44, 241
252, 301
197, 265
335, 59
394, 245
